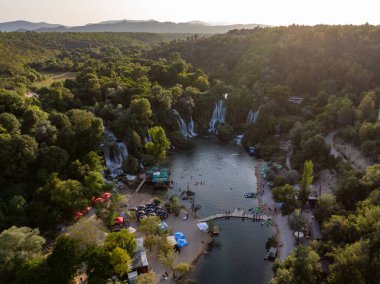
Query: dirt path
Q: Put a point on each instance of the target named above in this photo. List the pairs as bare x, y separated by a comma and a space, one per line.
329, 140
352, 154
284, 233
348, 152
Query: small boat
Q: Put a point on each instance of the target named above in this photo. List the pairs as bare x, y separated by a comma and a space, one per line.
249, 195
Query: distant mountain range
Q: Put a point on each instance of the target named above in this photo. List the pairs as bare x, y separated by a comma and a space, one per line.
150, 26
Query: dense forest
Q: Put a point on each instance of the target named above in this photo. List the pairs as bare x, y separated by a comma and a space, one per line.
51, 163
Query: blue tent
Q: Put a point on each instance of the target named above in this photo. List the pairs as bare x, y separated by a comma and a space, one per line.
182, 243
179, 235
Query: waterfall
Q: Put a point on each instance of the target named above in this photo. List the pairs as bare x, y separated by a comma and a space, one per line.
147, 138
239, 138
187, 130
252, 116
378, 114
218, 116
115, 153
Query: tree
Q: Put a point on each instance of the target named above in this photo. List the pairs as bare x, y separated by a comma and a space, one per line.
157, 148
18, 246
12, 102
327, 206
306, 181
300, 267
340, 229
349, 263
181, 270
297, 221
87, 130
288, 196
150, 226
64, 261
123, 239
366, 109
32, 117
141, 109
147, 278
10, 123
16, 154
99, 266
168, 258
202, 83
121, 261
87, 232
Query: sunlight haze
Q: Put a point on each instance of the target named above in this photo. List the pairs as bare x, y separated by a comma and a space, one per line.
271, 12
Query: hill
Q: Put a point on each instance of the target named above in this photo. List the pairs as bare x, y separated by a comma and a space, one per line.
24, 26
150, 26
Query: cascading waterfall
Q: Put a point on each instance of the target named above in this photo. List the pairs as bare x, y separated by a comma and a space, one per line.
218, 116
115, 153
147, 138
187, 130
252, 116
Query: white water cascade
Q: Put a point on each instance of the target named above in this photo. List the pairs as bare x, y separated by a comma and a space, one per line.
115, 153
187, 130
252, 116
218, 116
147, 138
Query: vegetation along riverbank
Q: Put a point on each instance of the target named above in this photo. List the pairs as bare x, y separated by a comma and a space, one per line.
75, 146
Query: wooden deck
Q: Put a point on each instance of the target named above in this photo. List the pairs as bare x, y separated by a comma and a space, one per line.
236, 213
141, 184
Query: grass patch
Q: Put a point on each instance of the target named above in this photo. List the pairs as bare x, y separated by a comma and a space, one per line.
53, 77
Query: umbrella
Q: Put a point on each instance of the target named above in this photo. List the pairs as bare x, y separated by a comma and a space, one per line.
171, 240
119, 220
202, 226
299, 234
131, 230
179, 235
182, 243
106, 195
163, 226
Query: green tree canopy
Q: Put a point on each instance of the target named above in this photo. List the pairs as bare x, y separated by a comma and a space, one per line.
157, 148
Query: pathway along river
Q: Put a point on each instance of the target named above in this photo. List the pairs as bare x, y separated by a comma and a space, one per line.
226, 172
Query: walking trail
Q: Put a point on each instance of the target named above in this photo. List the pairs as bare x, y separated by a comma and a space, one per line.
284, 233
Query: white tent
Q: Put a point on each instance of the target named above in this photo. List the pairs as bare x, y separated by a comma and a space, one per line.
131, 230
203, 226
171, 240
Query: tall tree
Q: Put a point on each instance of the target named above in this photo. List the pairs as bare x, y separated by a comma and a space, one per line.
300, 267
159, 145
306, 181
65, 260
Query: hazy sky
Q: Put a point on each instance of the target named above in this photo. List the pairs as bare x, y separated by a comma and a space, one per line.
272, 12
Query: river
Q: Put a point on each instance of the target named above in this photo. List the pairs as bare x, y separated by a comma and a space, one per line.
226, 172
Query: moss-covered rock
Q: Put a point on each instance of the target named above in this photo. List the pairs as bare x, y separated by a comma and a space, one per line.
131, 165
225, 132
179, 141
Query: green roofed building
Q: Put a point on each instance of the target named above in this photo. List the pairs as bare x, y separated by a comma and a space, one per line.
159, 177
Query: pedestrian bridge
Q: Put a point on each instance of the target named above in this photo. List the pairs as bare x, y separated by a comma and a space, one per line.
237, 213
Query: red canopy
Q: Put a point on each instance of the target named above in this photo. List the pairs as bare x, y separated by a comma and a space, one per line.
78, 214
119, 220
106, 195
99, 199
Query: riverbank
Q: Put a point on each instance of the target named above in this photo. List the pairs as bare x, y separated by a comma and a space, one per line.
265, 199
198, 241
